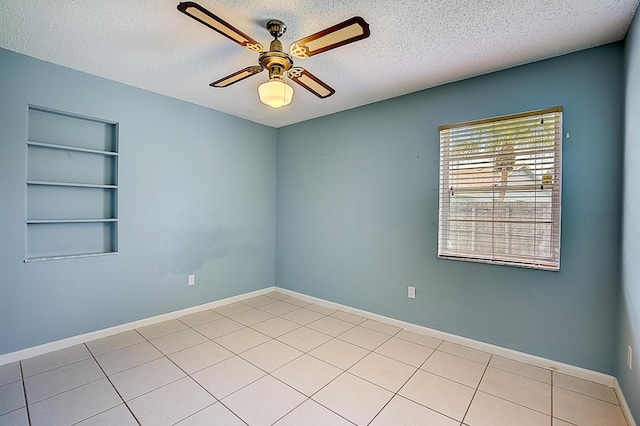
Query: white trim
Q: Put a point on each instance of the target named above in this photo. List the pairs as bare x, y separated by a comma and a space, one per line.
623, 403
582, 373
548, 364
87, 337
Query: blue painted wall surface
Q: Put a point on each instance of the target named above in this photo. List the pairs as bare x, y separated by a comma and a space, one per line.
357, 217
630, 293
357, 198
197, 196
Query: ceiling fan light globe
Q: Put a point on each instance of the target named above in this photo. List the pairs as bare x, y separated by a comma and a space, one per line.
275, 93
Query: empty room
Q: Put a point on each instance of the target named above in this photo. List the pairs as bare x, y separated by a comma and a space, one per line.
319, 213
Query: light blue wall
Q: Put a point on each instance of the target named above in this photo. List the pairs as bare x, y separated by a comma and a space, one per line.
197, 195
630, 293
357, 212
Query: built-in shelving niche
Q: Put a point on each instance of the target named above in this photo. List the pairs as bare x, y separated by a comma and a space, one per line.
72, 186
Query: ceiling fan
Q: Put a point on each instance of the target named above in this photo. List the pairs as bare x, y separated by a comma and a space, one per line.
276, 92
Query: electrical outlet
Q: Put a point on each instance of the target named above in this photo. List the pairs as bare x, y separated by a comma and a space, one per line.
192, 279
629, 356
411, 292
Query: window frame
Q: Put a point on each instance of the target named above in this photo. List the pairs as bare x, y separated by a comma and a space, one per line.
482, 188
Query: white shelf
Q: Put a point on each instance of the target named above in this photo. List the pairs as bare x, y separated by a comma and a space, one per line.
71, 148
71, 256
71, 184
54, 221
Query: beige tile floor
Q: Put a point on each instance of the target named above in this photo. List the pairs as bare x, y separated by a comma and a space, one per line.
274, 359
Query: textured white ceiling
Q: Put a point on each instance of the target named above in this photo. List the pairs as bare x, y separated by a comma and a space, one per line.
414, 44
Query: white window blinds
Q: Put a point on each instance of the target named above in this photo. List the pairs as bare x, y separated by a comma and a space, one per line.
500, 190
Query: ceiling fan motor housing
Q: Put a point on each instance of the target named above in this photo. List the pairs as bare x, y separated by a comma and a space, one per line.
275, 60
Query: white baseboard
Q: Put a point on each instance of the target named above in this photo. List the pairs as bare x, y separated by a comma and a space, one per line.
87, 337
537, 361
623, 404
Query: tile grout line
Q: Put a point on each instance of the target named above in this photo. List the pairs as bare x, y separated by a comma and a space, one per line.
420, 369
113, 386
310, 398
178, 367
518, 374
54, 369
231, 411
24, 391
405, 382
517, 403
316, 392
307, 398
266, 373
508, 400
589, 396
217, 400
476, 389
114, 350
210, 405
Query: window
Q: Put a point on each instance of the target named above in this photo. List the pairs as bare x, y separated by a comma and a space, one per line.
500, 190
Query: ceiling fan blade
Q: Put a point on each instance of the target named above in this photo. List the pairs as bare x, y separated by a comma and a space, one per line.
310, 82
236, 76
207, 18
346, 32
